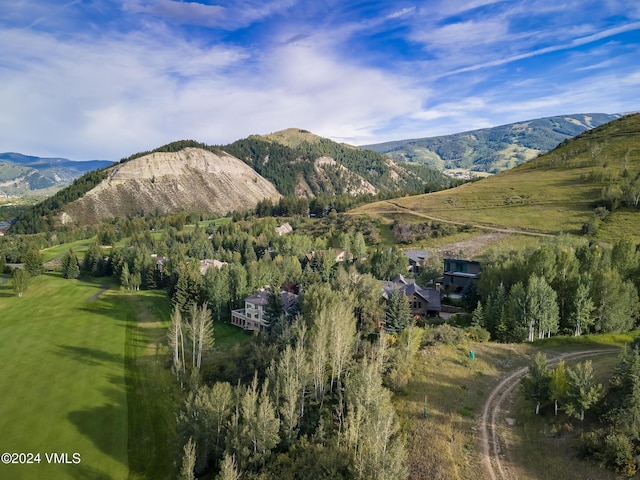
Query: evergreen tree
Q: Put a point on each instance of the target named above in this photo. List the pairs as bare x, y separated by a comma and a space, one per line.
397, 312
32, 260
494, 309
70, 268
93, 262
274, 313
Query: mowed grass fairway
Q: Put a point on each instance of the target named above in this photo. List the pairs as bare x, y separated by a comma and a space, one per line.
67, 361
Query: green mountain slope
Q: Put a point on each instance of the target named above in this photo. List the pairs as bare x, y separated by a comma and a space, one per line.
564, 190
493, 149
300, 163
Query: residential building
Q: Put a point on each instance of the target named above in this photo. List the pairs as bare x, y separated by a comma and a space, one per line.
207, 263
459, 274
423, 301
416, 259
252, 316
284, 229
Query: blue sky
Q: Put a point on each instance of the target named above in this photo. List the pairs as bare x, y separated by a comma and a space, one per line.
102, 79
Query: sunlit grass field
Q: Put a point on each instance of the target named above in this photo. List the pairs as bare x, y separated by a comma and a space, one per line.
62, 378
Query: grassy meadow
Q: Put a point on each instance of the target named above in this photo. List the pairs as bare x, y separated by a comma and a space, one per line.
551, 194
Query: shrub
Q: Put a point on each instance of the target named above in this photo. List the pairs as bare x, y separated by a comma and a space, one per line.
478, 334
443, 334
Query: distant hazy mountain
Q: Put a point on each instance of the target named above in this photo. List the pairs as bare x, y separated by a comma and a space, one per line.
492, 149
28, 175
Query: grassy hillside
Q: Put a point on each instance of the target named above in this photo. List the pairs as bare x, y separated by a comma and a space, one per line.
492, 149
556, 192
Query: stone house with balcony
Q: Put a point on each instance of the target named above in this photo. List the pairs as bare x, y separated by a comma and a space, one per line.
252, 316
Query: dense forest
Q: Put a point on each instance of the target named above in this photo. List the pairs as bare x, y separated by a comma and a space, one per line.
565, 286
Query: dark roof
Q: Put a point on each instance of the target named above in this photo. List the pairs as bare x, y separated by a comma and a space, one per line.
451, 259
408, 287
260, 298
417, 256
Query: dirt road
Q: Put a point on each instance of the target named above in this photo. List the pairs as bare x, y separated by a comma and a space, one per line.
492, 452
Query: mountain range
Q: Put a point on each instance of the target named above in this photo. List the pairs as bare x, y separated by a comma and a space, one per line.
492, 150
191, 176
23, 175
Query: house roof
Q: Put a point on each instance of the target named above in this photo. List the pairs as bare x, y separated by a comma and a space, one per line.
409, 287
260, 298
284, 229
207, 263
451, 259
417, 256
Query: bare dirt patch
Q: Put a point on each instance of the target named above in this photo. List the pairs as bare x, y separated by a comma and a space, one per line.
472, 246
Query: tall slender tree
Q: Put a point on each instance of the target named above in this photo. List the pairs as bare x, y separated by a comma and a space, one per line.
20, 281
583, 392
535, 384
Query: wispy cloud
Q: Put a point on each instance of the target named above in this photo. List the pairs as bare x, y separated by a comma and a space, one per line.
234, 15
106, 79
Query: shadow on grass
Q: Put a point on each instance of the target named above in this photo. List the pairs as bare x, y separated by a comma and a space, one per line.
83, 472
104, 426
6, 290
89, 356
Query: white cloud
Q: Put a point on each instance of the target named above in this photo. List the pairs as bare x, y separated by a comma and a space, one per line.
135, 92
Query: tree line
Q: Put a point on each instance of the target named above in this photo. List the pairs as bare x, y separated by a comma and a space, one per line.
562, 287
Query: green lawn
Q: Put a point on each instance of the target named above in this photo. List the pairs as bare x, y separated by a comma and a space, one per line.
63, 379
92, 377
79, 247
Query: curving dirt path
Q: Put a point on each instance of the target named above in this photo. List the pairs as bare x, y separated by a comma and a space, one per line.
489, 436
